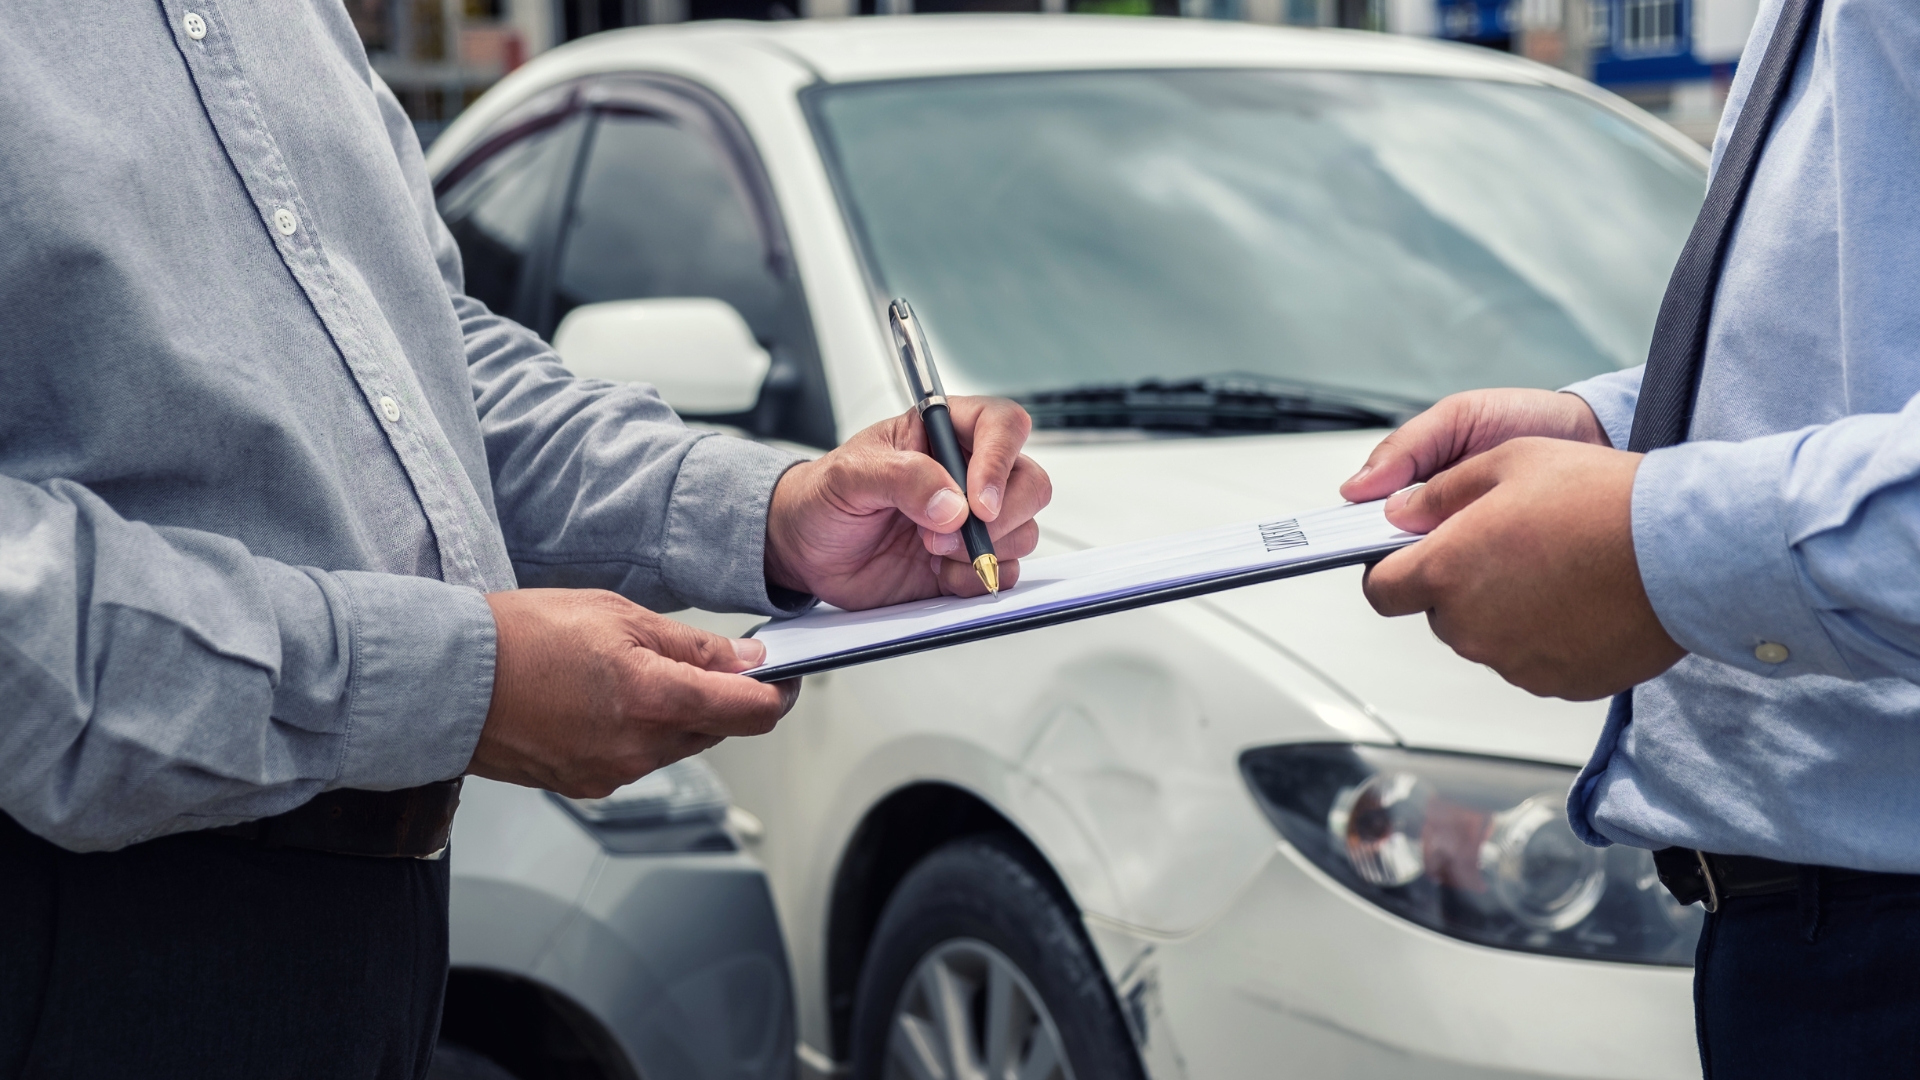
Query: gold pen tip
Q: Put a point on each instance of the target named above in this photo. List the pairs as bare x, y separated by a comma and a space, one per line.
988, 567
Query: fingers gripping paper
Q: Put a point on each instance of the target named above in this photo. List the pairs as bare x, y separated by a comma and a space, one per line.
1082, 584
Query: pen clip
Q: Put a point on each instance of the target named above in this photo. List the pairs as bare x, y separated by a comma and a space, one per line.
916, 360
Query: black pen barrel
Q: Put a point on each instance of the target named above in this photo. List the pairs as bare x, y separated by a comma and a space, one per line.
974, 532
944, 446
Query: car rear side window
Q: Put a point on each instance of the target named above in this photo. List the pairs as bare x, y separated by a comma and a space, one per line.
661, 211
497, 210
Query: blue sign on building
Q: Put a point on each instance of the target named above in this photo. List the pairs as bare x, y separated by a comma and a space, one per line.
1481, 22
1628, 41
1644, 41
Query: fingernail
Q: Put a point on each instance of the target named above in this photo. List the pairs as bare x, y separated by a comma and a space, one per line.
749, 651
946, 505
990, 498
1399, 498
946, 543
1355, 478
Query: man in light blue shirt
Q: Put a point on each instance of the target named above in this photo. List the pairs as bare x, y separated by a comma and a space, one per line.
1756, 587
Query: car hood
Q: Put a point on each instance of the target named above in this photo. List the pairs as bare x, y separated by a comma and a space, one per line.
1115, 490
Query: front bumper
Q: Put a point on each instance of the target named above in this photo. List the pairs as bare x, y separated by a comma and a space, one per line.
1301, 978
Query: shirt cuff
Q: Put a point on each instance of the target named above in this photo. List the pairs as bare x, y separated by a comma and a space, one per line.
422, 657
1710, 531
714, 555
1612, 397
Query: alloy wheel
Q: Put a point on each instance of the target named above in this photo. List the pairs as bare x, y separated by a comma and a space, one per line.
968, 1013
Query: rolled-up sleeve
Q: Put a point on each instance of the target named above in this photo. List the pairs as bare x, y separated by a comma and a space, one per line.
1807, 539
160, 680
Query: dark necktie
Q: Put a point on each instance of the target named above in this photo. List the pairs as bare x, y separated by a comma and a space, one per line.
1672, 378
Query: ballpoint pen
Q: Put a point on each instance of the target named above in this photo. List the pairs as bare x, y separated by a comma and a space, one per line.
923, 382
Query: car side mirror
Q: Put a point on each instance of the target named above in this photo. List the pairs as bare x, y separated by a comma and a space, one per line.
697, 352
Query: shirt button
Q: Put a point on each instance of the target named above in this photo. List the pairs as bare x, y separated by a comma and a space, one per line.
284, 220
390, 409
1770, 652
196, 26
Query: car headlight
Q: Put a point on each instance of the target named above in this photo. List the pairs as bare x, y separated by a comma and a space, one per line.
1476, 848
680, 807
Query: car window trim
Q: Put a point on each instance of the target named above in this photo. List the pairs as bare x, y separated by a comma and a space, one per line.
675, 98
542, 112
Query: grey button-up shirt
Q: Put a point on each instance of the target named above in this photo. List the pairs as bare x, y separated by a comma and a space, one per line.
259, 455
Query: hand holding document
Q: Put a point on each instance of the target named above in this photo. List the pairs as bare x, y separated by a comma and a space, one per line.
1082, 584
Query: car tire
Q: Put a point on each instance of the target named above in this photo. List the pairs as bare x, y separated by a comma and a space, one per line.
451, 1061
978, 954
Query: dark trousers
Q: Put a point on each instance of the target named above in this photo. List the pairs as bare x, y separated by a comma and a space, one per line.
201, 956
1823, 982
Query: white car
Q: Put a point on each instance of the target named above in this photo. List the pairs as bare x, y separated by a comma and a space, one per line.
1263, 833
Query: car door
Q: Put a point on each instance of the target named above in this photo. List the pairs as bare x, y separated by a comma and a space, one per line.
631, 188
671, 200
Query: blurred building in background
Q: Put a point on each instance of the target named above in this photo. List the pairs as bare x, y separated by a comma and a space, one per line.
1673, 57
439, 55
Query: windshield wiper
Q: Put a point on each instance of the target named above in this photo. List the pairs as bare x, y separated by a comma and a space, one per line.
1214, 405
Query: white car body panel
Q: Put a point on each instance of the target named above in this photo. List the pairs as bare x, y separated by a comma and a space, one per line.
1255, 996
1112, 744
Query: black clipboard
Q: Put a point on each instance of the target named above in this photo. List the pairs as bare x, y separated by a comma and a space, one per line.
1107, 605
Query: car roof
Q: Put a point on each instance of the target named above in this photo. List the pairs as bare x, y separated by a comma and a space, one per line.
926, 45
733, 55
861, 49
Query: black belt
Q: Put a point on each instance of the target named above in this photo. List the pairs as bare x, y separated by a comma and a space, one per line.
1698, 877
409, 823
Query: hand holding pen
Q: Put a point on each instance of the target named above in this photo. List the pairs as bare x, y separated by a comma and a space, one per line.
930, 399
879, 521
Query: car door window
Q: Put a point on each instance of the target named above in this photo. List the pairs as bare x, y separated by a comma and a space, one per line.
498, 211
661, 210
669, 202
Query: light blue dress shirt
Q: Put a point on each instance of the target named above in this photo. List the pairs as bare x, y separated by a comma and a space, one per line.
1792, 517
259, 455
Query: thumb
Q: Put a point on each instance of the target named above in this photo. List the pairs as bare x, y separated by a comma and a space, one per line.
1422, 507
903, 480
1412, 452
699, 648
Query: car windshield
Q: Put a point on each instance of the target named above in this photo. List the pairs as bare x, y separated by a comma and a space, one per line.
1378, 236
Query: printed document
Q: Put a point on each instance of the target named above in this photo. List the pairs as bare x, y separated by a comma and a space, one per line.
1081, 584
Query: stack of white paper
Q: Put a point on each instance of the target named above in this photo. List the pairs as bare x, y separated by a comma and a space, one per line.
1085, 583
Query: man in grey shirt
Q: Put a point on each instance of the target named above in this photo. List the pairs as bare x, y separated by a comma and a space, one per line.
268, 482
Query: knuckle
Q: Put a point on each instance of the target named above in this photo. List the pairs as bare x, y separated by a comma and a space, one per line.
1438, 574
1018, 421
710, 650
835, 471
1042, 482
602, 600
903, 469
1379, 594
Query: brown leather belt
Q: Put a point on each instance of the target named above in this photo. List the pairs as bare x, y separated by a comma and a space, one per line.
409, 823
1699, 877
